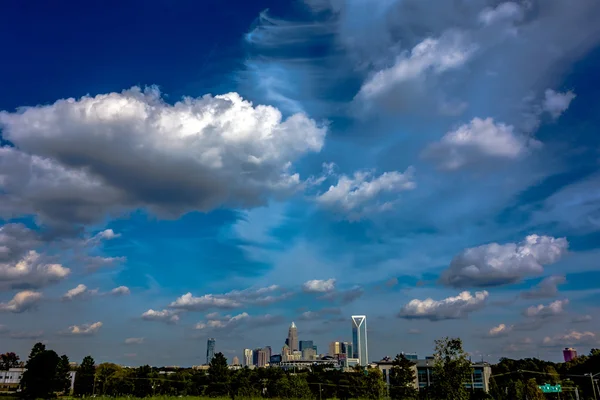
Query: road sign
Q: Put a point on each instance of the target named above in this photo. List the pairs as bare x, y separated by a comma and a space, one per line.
548, 388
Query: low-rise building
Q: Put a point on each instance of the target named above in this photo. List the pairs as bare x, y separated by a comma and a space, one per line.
11, 379
424, 376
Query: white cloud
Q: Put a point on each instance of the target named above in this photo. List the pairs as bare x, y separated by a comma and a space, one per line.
498, 264
548, 287
477, 142
78, 292
31, 271
581, 318
572, 338
508, 11
168, 316
206, 152
319, 286
85, 329
121, 290
230, 300
22, 301
500, 330
358, 195
107, 234
432, 55
544, 311
449, 308
134, 340
556, 103
222, 323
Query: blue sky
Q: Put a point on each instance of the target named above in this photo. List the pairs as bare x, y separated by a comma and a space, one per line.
173, 171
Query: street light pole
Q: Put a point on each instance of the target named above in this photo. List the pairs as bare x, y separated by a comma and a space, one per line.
592, 382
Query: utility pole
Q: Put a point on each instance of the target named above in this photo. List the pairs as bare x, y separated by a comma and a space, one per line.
319, 390
593, 388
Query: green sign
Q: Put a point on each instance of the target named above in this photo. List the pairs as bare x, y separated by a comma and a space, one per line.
547, 388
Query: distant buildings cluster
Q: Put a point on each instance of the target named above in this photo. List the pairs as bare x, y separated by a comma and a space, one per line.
297, 353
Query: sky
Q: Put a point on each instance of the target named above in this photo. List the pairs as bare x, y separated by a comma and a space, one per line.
172, 171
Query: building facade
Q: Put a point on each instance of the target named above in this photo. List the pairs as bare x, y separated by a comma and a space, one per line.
305, 344
248, 357
335, 348
360, 346
292, 339
569, 354
210, 350
236, 361
424, 376
11, 379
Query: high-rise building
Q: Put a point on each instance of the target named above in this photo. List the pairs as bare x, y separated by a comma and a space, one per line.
210, 350
285, 352
569, 354
359, 339
292, 341
335, 348
309, 354
262, 359
248, 357
269, 352
305, 344
236, 361
347, 350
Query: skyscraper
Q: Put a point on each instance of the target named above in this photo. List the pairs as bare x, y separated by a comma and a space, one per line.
306, 344
236, 361
347, 350
210, 350
569, 354
293, 337
335, 348
248, 357
262, 359
359, 339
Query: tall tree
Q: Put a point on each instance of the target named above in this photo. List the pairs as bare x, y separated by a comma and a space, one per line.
402, 378
532, 391
37, 349
452, 369
63, 378
39, 380
84, 378
8, 360
374, 385
218, 372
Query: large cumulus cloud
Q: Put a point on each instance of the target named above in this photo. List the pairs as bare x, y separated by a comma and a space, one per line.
498, 264
78, 159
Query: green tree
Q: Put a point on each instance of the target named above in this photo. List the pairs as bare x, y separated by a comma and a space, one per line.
37, 349
516, 390
219, 377
144, 385
63, 378
39, 380
84, 378
402, 378
8, 360
103, 373
452, 369
532, 391
374, 384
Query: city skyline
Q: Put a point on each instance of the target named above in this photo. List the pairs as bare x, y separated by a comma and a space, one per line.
430, 164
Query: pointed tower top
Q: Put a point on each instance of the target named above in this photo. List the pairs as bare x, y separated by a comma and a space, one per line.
293, 325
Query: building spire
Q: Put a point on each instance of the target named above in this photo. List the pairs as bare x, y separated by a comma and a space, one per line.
293, 325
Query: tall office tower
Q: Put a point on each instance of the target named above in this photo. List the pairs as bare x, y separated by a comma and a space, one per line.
347, 350
248, 357
269, 352
359, 339
305, 344
335, 348
255, 355
569, 354
262, 359
309, 354
293, 337
210, 350
236, 361
285, 353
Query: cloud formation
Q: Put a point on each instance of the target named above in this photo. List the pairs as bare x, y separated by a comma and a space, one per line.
85, 329
22, 301
230, 300
31, 271
499, 331
477, 142
500, 264
361, 194
450, 308
571, 338
167, 316
120, 291
78, 292
230, 323
134, 340
555, 103
205, 152
544, 311
548, 287
319, 286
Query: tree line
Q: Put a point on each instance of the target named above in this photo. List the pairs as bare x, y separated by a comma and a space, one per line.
47, 376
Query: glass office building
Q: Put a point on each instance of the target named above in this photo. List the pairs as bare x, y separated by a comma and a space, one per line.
210, 350
359, 339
